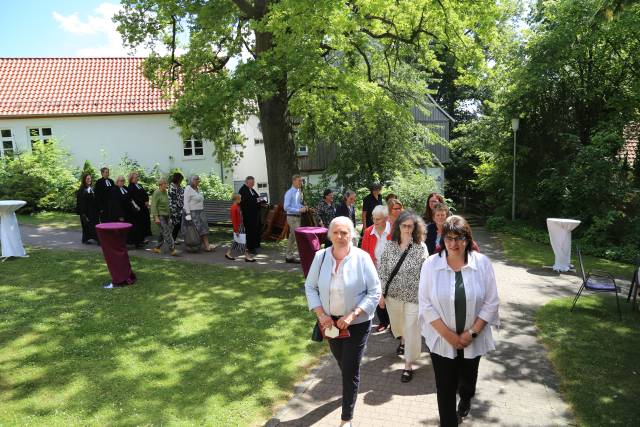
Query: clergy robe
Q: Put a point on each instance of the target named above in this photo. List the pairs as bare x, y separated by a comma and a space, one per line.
102, 189
87, 208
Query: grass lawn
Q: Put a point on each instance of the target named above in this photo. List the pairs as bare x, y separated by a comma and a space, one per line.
186, 345
533, 254
52, 219
596, 356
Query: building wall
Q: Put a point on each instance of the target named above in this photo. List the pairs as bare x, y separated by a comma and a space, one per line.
148, 138
253, 162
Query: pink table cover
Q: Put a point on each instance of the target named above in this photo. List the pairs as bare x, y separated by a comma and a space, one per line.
113, 241
309, 241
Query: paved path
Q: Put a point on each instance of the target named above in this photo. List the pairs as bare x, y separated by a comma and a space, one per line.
516, 384
269, 258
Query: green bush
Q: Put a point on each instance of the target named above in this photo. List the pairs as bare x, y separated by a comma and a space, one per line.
147, 178
412, 188
213, 188
43, 178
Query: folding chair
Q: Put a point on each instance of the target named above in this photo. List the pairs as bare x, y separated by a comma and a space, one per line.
596, 281
634, 289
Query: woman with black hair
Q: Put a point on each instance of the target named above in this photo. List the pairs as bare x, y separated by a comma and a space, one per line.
458, 304
176, 202
429, 210
87, 206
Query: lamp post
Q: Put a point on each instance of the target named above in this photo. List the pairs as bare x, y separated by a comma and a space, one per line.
515, 125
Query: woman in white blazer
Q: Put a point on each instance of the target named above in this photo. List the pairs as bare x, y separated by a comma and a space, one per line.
343, 289
458, 304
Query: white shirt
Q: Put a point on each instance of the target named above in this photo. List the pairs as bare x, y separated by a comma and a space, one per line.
381, 241
193, 200
436, 301
336, 289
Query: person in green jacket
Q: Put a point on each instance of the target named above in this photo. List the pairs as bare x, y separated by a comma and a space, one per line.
160, 213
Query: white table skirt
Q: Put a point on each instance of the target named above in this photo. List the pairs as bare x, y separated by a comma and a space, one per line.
10, 239
560, 236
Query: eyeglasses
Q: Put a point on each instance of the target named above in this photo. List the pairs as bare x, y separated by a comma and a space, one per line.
455, 239
407, 226
396, 209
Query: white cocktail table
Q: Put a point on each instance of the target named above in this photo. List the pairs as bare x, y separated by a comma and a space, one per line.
10, 239
560, 235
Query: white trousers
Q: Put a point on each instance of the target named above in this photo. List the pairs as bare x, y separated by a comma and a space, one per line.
404, 323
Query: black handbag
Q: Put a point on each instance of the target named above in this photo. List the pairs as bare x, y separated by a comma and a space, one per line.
395, 270
316, 334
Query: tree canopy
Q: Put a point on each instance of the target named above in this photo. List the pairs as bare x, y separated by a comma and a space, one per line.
302, 65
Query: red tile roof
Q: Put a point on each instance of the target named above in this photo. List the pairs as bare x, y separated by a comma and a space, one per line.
76, 86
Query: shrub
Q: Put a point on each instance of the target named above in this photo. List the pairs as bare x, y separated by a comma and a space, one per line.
213, 188
412, 188
43, 178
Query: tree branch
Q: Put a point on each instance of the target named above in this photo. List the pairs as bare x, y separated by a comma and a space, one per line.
246, 8
366, 61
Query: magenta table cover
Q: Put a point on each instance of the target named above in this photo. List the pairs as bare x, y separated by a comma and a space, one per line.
309, 241
113, 241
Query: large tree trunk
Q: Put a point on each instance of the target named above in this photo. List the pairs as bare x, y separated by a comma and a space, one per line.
279, 147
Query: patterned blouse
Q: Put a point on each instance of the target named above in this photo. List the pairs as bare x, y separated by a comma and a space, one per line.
176, 202
404, 286
326, 212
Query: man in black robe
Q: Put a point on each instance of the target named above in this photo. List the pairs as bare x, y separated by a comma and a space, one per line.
249, 206
142, 217
102, 189
118, 207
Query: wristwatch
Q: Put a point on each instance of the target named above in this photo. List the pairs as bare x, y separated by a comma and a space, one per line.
473, 333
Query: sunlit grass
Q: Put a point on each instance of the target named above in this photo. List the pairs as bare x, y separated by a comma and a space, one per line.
596, 356
186, 345
537, 255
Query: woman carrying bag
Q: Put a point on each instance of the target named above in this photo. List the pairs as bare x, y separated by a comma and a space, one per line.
399, 269
343, 291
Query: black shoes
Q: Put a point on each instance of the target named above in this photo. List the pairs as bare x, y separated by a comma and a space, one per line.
292, 260
463, 407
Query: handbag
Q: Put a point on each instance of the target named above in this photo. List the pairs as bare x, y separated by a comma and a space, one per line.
238, 248
316, 334
191, 237
395, 270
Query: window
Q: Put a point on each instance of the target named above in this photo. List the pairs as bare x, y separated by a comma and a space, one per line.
262, 185
303, 150
40, 134
6, 147
258, 141
192, 147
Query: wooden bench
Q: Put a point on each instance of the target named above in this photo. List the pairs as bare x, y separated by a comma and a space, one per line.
217, 211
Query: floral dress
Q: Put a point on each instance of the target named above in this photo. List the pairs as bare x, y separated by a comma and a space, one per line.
176, 203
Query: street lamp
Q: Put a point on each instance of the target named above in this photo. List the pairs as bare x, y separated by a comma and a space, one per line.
515, 125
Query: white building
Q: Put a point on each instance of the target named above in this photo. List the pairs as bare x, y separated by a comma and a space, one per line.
101, 109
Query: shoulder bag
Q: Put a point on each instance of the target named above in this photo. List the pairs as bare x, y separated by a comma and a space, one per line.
395, 270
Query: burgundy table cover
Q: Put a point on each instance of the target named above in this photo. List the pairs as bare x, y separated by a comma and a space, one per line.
309, 241
113, 241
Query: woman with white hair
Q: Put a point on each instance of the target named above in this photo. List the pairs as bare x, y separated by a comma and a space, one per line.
194, 211
374, 240
343, 290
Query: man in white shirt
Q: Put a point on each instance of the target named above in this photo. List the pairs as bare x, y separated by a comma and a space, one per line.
294, 207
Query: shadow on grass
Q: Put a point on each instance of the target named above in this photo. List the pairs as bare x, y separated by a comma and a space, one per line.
187, 343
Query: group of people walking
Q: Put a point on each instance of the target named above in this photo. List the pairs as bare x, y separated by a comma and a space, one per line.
171, 206
423, 276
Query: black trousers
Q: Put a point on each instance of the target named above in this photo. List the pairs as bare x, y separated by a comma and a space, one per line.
348, 353
383, 316
176, 229
252, 230
453, 376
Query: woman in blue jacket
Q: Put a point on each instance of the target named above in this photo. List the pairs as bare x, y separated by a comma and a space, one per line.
343, 289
